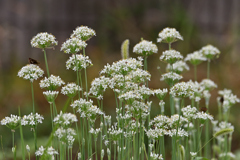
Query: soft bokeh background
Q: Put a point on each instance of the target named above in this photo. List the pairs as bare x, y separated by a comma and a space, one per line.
215, 22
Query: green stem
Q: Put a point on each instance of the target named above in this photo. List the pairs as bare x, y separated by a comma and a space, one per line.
85, 72
45, 57
78, 134
21, 135
32, 97
195, 72
208, 69
76, 64
207, 148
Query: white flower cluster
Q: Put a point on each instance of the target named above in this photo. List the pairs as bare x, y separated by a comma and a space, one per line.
51, 83
197, 89
171, 56
65, 119
99, 86
43, 40
70, 89
138, 109
208, 84
160, 94
65, 135
31, 72
222, 125
228, 98
170, 77
84, 33
73, 45
145, 48
138, 76
11, 122
210, 51
228, 154
82, 62
114, 133
50, 96
182, 90
95, 131
50, 152
82, 104
93, 113
189, 112
155, 156
169, 35
32, 120
195, 58
177, 67
122, 67
203, 117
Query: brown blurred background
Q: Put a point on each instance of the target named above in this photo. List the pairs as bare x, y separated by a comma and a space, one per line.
215, 22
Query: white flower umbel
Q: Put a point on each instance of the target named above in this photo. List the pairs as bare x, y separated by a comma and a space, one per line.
227, 155
114, 133
208, 84
99, 86
176, 121
82, 104
169, 35
203, 117
155, 156
50, 96
43, 40
73, 45
65, 135
182, 90
160, 94
92, 113
170, 78
82, 62
32, 120
177, 67
84, 33
11, 122
145, 48
189, 112
171, 56
122, 67
179, 133
70, 89
65, 119
195, 58
51, 83
138, 76
51, 151
197, 89
210, 51
31, 72
229, 99
40, 151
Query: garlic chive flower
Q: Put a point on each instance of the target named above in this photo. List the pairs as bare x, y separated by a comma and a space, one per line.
43, 40
73, 45
145, 48
31, 72
40, 151
82, 62
70, 89
171, 56
99, 86
195, 58
171, 78
208, 84
228, 155
51, 83
32, 120
50, 96
48, 154
169, 35
177, 67
210, 51
189, 112
155, 156
11, 122
65, 119
182, 90
229, 99
84, 33
160, 94
65, 135
138, 76
203, 117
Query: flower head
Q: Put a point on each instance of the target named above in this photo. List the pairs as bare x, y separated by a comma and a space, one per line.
50, 96
43, 40
145, 48
99, 86
82, 62
169, 35
70, 89
84, 33
171, 56
11, 122
177, 67
51, 83
160, 94
182, 90
171, 78
65, 119
195, 58
73, 45
65, 135
208, 84
210, 51
32, 120
31, 72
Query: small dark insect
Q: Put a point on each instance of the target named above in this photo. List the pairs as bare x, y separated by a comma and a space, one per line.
32, 61
204, 109
221, 100
153, 127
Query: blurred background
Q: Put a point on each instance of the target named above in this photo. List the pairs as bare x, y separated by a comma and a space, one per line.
215, 22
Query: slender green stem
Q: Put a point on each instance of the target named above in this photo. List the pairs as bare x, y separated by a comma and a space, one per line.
78, 134
195, 72
32, 97
76, 64
207, 132
51, 111
21, 135
208, 69
13, 138
96, 156
35, 137
115, 148
85, 72
45, 57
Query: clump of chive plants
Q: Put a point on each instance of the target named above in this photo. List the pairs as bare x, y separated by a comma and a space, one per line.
134, 135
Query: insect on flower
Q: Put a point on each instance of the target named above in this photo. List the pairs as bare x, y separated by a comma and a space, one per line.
32, 61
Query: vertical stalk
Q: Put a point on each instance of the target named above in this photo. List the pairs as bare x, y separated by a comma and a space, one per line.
85, 72
78, 134
207, 147
21, 135
208, 69
32, 97
195, 72
76, 64
46, 63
